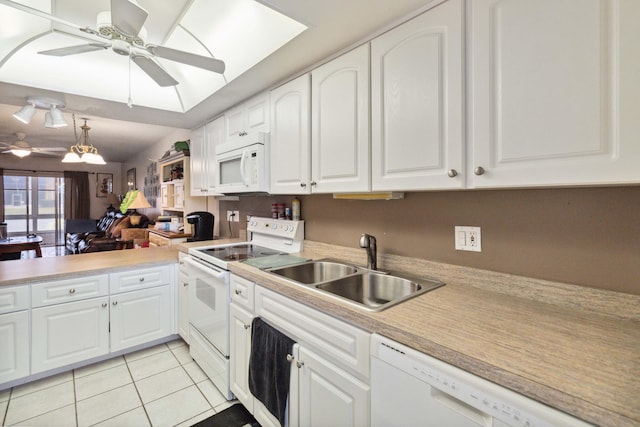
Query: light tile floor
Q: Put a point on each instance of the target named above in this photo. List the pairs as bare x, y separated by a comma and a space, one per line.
158, 386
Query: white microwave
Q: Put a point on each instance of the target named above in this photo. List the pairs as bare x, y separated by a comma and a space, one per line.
243, 164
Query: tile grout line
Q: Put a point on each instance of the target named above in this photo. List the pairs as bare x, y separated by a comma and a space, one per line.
75, 397
135, 385
6, 410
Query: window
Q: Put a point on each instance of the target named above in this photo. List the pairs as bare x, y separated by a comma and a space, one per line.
34, 203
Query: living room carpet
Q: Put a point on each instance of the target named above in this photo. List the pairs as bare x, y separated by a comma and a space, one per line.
234, 416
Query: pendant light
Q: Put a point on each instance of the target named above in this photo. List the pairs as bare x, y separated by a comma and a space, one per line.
82, 151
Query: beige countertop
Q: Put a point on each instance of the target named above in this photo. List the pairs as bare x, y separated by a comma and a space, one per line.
574, 348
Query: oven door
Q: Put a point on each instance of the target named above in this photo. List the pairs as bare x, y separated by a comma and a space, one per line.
209, 303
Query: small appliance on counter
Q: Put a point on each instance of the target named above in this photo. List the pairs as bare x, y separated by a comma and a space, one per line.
202, 223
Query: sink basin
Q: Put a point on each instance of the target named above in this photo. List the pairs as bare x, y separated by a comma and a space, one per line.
315, 271
367, 289
377, 291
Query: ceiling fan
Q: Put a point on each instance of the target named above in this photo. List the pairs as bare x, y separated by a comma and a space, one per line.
22, 148
123, 27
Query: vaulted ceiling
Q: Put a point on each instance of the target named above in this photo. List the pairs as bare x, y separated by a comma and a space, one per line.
262, 44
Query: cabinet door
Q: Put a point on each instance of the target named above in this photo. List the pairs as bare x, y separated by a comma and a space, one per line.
141, 316
214, 136
250, 116
554, 90
63, 334
183, 304
240, 336
340, 124
167, 195
291, 137
417, 102
197, 161
178, 195
328, 396
14, 342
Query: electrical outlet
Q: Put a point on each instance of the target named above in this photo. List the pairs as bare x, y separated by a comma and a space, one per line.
236, 216
468, 239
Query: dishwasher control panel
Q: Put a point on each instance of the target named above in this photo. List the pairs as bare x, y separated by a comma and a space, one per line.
482, 402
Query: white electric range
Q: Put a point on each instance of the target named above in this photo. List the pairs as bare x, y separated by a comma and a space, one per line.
209, 296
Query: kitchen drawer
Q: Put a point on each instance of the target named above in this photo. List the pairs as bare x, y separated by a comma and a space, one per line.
68, 290
14, 298
339, 342
156, 240
182, 266
140, 278
242, 291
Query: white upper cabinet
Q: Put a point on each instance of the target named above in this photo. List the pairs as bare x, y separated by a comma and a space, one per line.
417, 102
250, 116
555, 92
291, 137
203, 160
340, 124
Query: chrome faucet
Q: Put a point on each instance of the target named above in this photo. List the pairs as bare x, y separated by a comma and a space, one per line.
369, 243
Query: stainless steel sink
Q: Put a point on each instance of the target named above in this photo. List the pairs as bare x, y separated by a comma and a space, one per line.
315, 271
367, 289
377, 291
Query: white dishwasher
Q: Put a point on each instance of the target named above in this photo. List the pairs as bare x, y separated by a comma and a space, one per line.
409, 388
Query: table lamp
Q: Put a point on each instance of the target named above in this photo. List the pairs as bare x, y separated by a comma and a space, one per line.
112, 199
140, 202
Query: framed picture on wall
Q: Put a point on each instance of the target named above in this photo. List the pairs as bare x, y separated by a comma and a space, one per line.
131, 179
104, 184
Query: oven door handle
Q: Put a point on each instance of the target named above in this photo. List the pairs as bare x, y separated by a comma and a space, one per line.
207, 268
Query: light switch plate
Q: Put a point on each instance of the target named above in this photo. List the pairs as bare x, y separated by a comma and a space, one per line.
468, 238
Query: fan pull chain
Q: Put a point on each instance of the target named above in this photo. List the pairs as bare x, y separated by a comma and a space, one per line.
129, 100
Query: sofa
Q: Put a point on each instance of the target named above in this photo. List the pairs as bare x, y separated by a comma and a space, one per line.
104, 234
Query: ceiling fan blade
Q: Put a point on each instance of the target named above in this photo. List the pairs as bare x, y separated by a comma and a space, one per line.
154, 70
48, 149
204, 62
73, 50
127, 17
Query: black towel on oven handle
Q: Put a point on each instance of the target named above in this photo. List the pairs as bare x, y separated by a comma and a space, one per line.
269, 369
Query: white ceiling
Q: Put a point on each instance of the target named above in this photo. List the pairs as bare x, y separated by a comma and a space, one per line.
119, 131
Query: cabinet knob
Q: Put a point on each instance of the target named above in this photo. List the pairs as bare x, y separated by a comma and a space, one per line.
242, 133
72, 291
185, 284
104, 304
452, 173
313, 183
238, 291
141, 279
478, 170
303, 184
299, 364
247, 326
114, 303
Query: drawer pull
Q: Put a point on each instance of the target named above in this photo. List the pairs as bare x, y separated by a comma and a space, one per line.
141, 279
247, 326
185, 284
238, 291
115, 303
104, 304
299, 364
289, 358
72, 291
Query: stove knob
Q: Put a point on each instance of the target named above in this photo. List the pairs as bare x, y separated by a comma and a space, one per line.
274, 226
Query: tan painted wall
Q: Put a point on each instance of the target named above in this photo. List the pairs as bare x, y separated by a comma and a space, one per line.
585, 236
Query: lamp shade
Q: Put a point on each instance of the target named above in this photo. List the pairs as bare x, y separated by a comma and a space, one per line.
26, 113
140, 202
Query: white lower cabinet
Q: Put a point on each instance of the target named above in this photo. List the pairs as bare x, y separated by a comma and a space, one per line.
240, 339
182, 286
14, 342
63, 334
329, 396
140, 316
330, 368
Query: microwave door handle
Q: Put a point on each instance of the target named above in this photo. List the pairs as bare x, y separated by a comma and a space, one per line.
243, 172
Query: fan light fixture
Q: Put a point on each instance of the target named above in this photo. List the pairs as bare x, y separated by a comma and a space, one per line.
54, 117
82, 151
